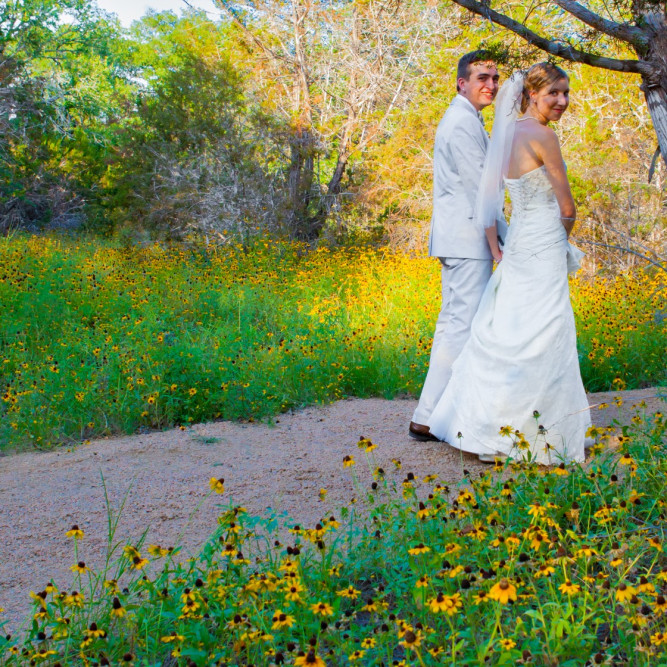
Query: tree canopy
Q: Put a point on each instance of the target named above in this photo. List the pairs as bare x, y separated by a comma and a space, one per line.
303, 118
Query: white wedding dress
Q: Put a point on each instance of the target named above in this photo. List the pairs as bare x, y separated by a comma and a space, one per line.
521, 359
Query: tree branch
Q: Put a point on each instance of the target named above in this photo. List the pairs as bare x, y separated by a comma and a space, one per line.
623, 249
622, 31
555, 48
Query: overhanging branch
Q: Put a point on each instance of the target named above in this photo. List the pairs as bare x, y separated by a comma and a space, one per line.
622, 31
550, 46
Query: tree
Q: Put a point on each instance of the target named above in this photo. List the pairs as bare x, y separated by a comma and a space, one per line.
341, 71
60, 89
198, 156
639, 26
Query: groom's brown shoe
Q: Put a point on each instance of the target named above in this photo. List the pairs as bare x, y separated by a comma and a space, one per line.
421, 432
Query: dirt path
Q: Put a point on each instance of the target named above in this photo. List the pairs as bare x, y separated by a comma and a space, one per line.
165, 476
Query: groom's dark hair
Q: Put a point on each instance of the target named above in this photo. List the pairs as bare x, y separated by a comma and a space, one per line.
479, 56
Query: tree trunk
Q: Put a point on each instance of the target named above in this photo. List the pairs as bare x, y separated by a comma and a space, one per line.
300, 182
656, 99
654, 84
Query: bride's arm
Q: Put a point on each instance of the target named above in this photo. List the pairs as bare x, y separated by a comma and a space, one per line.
555, 168
492, 238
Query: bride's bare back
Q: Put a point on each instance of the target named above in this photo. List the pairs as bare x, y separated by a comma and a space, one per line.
535, 145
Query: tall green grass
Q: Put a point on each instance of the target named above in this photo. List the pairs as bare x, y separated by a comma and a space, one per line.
98, 339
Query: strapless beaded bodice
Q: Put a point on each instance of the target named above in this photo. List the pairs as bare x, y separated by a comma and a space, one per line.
535, 222
532, 193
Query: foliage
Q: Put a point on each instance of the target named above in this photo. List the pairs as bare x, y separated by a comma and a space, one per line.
61, 88
524, 565
198, 156
98, 338
607, 141
304, 120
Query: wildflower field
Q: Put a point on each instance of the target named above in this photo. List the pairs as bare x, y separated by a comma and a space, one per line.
523, 565
98, 339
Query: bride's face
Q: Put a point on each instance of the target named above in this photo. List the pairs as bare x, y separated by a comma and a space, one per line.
550, 102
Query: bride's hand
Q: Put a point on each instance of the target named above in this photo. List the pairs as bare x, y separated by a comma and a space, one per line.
497, 255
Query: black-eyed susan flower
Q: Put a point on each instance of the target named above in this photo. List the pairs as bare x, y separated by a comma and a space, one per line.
412, 639
157, 551
310, 659
117, 609
568, 588
659, 638
93, 632
349, 592
348, 461
480, 597
217, 485
645, 586
423, 581
660, 604
585, 551
423, 512
130, 552
74, 599
322, 608
449, 604
172, 637
452, 548
368, 642
537, 510
656, 544
372, 605
75, 532
41, 655
544, 570
504, 591
507, 644
293, 592
419, 549
281, 620
79, 568
112, 586
356, 655
624, 592
139, 563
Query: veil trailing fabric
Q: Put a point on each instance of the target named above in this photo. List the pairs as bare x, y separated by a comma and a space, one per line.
491, 192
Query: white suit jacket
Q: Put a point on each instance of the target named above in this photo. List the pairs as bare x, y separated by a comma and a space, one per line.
458, 158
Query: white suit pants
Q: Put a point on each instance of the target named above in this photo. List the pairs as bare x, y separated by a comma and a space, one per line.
463, 282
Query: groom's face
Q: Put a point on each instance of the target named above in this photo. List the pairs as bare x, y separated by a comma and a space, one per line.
481, 86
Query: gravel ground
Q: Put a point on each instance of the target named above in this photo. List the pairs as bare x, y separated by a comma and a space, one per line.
163, 477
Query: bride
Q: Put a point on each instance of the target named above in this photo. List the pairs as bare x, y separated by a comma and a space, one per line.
516, 389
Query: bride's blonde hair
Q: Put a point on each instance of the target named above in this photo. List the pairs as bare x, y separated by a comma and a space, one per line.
537, 77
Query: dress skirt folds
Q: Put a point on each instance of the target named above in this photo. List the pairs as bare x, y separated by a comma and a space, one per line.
516, 387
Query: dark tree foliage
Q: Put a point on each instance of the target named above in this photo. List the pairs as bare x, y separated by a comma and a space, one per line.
59, 76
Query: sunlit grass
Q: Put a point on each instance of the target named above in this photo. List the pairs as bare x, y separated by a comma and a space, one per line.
97, 339
523, 565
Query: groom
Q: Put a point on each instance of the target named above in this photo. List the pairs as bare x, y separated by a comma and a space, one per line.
461, 247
